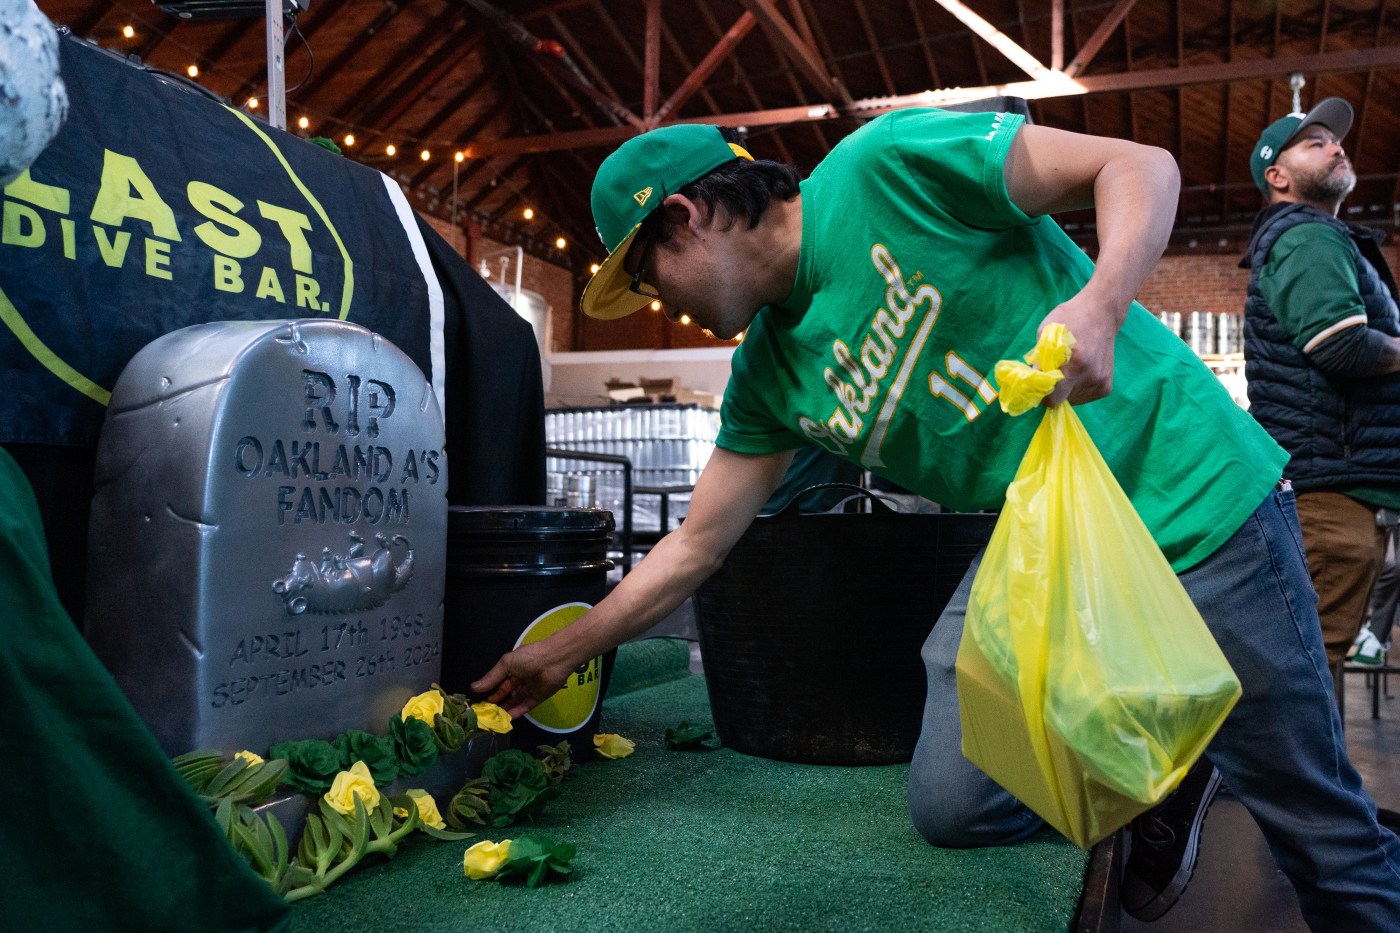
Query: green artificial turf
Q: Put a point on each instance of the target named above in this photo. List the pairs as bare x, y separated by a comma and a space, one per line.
716, 841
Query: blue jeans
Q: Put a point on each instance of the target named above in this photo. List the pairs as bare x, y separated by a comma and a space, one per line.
1281, 750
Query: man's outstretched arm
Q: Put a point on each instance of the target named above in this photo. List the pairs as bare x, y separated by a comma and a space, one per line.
731, 490
1133, 190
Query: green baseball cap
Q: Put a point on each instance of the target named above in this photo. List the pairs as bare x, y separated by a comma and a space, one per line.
1333, 113
630, 184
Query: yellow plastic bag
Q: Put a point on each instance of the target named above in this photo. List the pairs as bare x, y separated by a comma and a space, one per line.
1088, 684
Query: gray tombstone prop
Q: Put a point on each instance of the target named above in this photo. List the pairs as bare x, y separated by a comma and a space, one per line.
268, 536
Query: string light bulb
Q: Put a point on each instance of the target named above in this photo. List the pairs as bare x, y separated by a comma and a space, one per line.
739, 337
349, 139
425, 155
459, 157
560, 243
529, 213
593, 269
252, 103
390, 149
192, 71
656, 306
303, 123
128, 31
685, 318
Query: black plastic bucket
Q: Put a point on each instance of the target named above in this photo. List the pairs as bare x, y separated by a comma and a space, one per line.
810, 632
515, 574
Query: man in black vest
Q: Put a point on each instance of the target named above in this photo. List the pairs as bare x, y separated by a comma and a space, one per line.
1321, 353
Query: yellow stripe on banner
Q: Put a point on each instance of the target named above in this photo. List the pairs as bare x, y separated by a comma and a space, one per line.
40, 351
349, 290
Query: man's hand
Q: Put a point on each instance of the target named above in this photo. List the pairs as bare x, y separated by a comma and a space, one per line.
1089, 371
524, 678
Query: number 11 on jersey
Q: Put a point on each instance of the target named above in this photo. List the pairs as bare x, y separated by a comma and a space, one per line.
959, 369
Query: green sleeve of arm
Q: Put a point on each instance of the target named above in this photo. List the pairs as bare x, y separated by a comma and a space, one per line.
1310, 284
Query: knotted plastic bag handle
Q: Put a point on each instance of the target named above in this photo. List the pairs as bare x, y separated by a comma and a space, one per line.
1022, 386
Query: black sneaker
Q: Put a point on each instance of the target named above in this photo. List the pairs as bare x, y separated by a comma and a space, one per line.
1164, 843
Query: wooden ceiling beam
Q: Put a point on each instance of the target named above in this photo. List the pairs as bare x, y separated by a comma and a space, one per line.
864, 15
425, 78
329, 70
148, 46
459, 100
234, 34
678, 52
488, 113
1354, 60
594, 74
491, 187
607, 98
823, 47
795, 49
922, 33
743, 77
1091, 46
1057, 35
651, 74
701, 72
371, 100
995, 38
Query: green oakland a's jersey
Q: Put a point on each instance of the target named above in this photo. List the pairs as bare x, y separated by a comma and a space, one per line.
917, 274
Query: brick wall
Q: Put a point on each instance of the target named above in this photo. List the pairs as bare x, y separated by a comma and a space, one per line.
1189, 282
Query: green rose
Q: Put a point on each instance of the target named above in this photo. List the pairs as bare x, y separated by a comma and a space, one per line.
311, 765
415, 745
519, 785
377, 754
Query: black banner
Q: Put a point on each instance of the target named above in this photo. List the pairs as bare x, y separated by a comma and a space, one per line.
156, 208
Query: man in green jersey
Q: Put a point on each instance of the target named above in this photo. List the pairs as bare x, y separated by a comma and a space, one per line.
876, 296
1322, 353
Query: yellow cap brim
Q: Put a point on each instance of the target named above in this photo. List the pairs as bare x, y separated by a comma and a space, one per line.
608, 295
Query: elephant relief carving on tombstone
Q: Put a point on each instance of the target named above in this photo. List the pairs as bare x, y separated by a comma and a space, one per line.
355, 582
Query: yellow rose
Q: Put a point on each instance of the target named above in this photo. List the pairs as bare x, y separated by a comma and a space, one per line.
424, 706
491, 717
613, 746
485, 858
427, 809
351, 784
250, 757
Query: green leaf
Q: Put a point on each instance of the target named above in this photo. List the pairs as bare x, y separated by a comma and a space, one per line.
223, 815
245, 840
445, 835
469, 805
557, 760
234, 769
685, 735
535, 859
449, 733
263, 781
199, 767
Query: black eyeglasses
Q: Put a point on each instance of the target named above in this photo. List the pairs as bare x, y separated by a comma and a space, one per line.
638, 286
